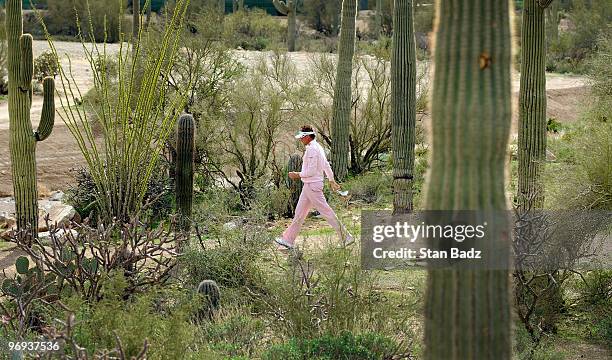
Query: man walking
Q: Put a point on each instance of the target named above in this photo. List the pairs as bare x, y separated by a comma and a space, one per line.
314, 167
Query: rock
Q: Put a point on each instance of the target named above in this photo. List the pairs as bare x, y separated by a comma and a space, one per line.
45, 237
229, 226
7, 221
60, 214
56, 196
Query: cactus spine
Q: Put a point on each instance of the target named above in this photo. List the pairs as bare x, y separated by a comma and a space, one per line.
467, 313
184, 169
295, 186
211, 293
22, 137
532, 106
403, 104
340, 126
289, 8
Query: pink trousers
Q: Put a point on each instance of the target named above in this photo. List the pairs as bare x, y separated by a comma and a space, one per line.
312, 197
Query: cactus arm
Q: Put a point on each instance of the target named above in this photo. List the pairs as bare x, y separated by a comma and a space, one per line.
26, 69
47, 118
281, 6
184, 169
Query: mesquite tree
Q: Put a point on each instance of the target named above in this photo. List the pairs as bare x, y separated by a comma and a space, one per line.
467, 312
342, 92
289, 8
403, 104
532, 106
22, 137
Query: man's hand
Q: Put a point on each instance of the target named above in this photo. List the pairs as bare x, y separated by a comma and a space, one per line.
294, 175
334, 185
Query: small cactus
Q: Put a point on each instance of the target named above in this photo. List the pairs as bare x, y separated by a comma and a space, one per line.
184, 169
289, 8
23, 139
295, 186
211, 293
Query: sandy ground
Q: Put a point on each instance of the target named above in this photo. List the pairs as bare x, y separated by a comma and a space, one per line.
60, 153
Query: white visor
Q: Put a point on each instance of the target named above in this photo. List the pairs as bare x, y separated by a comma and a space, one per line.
301, 134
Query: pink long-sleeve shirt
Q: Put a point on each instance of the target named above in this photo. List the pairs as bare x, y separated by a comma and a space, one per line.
315, 164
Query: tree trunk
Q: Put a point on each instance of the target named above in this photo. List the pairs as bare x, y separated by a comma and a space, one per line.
340, 127
403, 105
532, 107
467, 311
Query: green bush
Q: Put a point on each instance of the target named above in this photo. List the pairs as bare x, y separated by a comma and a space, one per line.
45, 65
100, 18
253, 30
597, 287
346, 346
370, 188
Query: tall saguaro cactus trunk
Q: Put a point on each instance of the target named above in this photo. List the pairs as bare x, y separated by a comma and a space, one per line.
23, 138
403, 104
185, 146
468, 310
341, 121
295, 186
288, 8
532, 106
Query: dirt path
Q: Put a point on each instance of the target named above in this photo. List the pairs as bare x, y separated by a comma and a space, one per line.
59, 153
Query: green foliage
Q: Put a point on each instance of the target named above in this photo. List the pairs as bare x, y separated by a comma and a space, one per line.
346, 346
323, 15
253, 30
572, 50
134, 119
45, 64
596, 289
99, 19
370, 188
152, 315
554, 126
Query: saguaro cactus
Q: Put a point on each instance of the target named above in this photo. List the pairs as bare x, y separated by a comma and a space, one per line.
22, 137
532, 106
289, 8
467, 312
341, 121
211, 293
295, 186
403, 104
184, 169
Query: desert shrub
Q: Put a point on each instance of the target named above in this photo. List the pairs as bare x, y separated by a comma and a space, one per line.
370, 130
98, 19
84, 195
253, 30
525, 349
370, 188
597, 287
234, 332
45, 64
152, 315
369, 346
322, 15
571, 51
228, 256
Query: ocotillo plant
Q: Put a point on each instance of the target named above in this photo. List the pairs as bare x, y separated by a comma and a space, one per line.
532, 106
341, 121
211, 293
403, 104
184, 169
467, 312
289, 8
295, 186
22, 137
